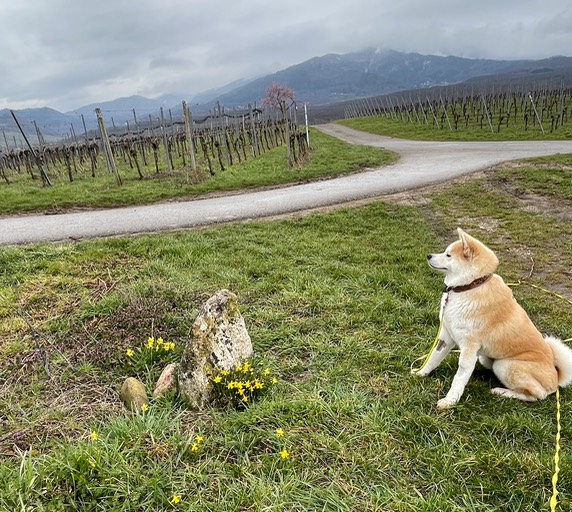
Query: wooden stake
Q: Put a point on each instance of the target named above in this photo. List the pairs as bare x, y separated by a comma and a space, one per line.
189, 135
45, 180
165, 142
112, 166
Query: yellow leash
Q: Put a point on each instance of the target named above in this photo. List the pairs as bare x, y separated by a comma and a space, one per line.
518, 283
554, 499
441, 315
428, 355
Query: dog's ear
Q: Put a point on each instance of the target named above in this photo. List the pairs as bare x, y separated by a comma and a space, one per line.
474, 249
468, 244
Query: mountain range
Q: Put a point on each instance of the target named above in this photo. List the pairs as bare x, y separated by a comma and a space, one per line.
320, 81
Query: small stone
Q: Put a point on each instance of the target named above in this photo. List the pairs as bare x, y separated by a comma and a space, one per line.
133, 394
167, 380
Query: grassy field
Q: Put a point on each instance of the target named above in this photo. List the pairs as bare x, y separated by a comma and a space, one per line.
340, 306
328, 158
410, 130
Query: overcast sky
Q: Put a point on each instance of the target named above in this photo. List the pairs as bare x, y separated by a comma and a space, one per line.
65, 54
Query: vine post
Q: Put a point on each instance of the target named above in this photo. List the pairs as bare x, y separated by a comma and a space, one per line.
109, 159
45, 180
165, 141
189, 135
306, 122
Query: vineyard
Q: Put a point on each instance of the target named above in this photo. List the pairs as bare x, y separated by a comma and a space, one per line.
195, 149
454, 109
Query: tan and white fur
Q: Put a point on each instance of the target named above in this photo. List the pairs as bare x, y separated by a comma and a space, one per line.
489, 326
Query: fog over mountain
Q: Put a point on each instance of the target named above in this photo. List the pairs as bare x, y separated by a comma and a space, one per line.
64, 54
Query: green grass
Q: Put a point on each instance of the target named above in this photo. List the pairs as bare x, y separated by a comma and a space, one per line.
340, 306
553, 177
329, 157
402, 128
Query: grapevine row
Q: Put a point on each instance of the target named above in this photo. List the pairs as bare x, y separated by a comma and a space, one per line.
547, 110
199, 147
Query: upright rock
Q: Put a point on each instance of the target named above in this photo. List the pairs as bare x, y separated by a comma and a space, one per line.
167, 380
218, 341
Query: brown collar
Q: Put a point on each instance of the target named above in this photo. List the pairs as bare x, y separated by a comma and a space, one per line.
464, 287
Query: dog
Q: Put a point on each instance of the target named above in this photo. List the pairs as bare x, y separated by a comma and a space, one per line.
480, 315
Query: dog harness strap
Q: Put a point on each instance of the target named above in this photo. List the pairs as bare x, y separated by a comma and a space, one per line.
464, 287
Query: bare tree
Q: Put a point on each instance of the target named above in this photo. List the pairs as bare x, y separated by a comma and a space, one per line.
277, 96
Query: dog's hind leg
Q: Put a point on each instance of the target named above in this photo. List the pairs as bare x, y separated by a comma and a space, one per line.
520, 381
509, 393
486, 362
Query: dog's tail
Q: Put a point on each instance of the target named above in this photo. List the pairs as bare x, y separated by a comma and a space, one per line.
562, 360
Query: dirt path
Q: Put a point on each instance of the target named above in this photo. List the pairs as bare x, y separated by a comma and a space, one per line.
420, 164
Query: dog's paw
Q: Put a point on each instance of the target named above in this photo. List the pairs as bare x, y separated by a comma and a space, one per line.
445, 403
419, 373
501, 391
509, 393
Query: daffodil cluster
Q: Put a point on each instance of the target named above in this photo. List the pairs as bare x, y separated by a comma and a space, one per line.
149, 353
242, 384
159, 345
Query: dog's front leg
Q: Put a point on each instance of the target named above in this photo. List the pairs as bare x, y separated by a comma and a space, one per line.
467, 361
441, 350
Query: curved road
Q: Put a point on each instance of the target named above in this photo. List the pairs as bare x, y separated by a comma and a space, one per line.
420, 163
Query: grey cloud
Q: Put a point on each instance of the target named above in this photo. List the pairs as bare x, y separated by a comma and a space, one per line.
65, 54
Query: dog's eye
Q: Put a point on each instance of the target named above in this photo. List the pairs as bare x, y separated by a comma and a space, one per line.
448, 255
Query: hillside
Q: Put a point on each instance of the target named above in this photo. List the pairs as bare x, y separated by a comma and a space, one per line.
51, 123
324, 82
334, 78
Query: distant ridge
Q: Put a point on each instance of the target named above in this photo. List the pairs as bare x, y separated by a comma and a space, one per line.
325, 80
334, 78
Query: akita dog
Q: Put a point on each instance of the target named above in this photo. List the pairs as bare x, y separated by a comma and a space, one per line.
480, 315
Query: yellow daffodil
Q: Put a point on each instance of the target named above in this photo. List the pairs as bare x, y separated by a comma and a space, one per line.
194, 447
144, 407
274, 380
168, 345
267, 371
279, 432
150, 342
284, 454
217, 379
199, 439
93, 436
175, 499
129, 352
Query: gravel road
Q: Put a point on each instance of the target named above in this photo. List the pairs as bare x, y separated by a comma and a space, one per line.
420, 163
